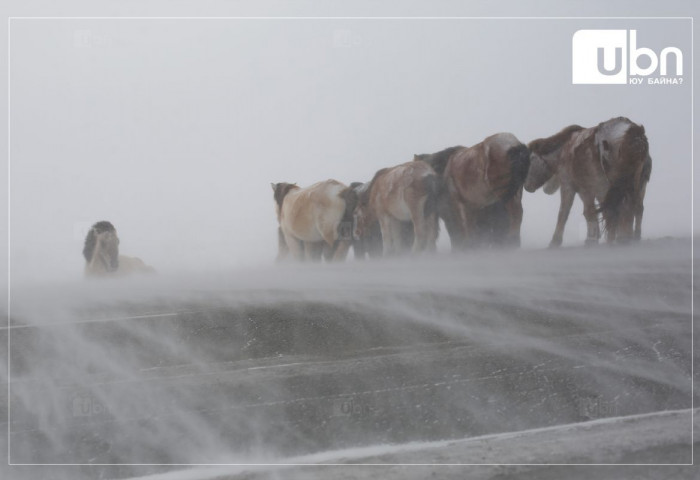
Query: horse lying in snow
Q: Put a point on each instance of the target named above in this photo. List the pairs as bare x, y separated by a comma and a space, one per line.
101, 252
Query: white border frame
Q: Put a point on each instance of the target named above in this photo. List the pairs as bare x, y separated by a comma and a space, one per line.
692, 247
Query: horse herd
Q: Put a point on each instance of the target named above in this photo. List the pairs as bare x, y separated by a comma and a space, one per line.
476, 191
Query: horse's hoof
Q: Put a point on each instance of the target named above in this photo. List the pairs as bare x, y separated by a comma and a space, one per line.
555, 244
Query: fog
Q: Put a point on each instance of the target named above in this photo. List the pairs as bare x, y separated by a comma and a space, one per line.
174, 129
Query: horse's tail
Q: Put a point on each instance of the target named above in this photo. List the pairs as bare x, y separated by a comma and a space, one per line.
519, 158
434, 186
642, 178
627, 174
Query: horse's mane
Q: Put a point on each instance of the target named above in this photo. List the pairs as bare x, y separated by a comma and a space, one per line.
91, 238
544, 146
439, 159
615, 120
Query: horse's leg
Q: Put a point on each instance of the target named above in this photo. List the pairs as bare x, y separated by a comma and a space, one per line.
464, 223
591, 214
451, 215
626, 221
398, 234
295, 247
387, 239
313, 251
611, 224
639, 213
469, 216
419, 226
282, 248
341, 250
373, 242
514, 207
391, 235
328, 250
567, 199
432, 230
359, 248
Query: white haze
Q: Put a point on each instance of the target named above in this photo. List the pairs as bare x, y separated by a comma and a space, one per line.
181, 366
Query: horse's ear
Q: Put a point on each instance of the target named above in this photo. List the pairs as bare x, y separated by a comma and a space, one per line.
274, 186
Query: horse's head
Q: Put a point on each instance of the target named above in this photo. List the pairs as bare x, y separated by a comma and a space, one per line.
102, 246
544, 157
539, 172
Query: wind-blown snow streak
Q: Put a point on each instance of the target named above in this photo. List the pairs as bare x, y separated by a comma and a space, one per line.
281, 362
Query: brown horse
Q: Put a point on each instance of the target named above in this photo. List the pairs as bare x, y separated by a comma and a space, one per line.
314, 221
395, 196
624, 155
477, 178
609, 163
101, 252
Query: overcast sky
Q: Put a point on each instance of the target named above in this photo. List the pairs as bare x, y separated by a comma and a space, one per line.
174, 129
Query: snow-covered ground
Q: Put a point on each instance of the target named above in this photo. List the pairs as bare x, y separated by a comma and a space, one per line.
518, 357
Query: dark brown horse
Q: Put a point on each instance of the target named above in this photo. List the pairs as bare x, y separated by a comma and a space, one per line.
624, 155
608, 163
478, 178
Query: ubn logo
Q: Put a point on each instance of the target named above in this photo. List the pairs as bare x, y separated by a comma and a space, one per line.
601, 56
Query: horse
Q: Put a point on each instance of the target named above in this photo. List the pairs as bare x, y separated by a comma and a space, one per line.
396, 196
369, 242
101, 252
476, 178
608, 163
315, 221
624, 155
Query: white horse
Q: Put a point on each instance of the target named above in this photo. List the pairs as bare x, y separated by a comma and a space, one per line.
101, 252
314, 221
